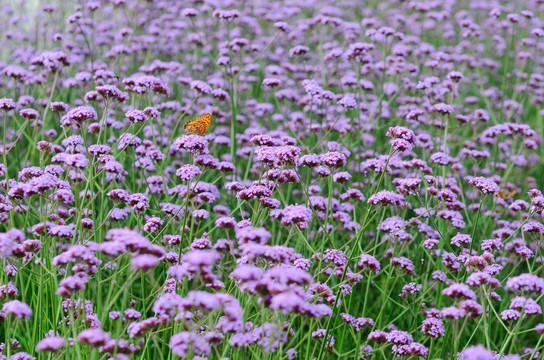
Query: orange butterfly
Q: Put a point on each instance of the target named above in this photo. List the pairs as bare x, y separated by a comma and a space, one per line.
505, 194
199, 125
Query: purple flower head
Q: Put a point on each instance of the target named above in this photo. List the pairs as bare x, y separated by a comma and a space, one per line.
404, 263
111, 92
433, 327
310, 160
270, 83
250, 234
287, 154
7, 104
51, 60
192, 143
471, 308
138, 329
20, 355
78, 115
440, 158
477, 352
29, 114
18, 309
441, 108
407, 186
152, 112
14, 71
136, 116
399, 337
341, 177
461, 239
401, 145
510, 315
486, 186
93, 337
225, 222
299, 50
348, 102
144, 262
528, 305
226, 15
458, 290
455, 76
413, 349
59, 106
334, 159
479, 278
188, 172
369, 262
282, 26
201, 87
452, 313
50, 344
399, 132
185, 341
254, 191
299, 215
386, 198
525, 282
8, 291
189, 12
377, 336
411, 288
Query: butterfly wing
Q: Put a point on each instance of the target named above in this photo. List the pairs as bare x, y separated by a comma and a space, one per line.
505, 194
199, 125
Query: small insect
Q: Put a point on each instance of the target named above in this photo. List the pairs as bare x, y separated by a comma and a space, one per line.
199, 125
505, 194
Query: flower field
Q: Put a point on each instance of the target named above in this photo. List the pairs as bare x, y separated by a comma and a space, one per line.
220, 179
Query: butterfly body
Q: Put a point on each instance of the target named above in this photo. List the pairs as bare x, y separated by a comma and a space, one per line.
505, 194
199, 125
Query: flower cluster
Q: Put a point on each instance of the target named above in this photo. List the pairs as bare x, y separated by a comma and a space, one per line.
368, 185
